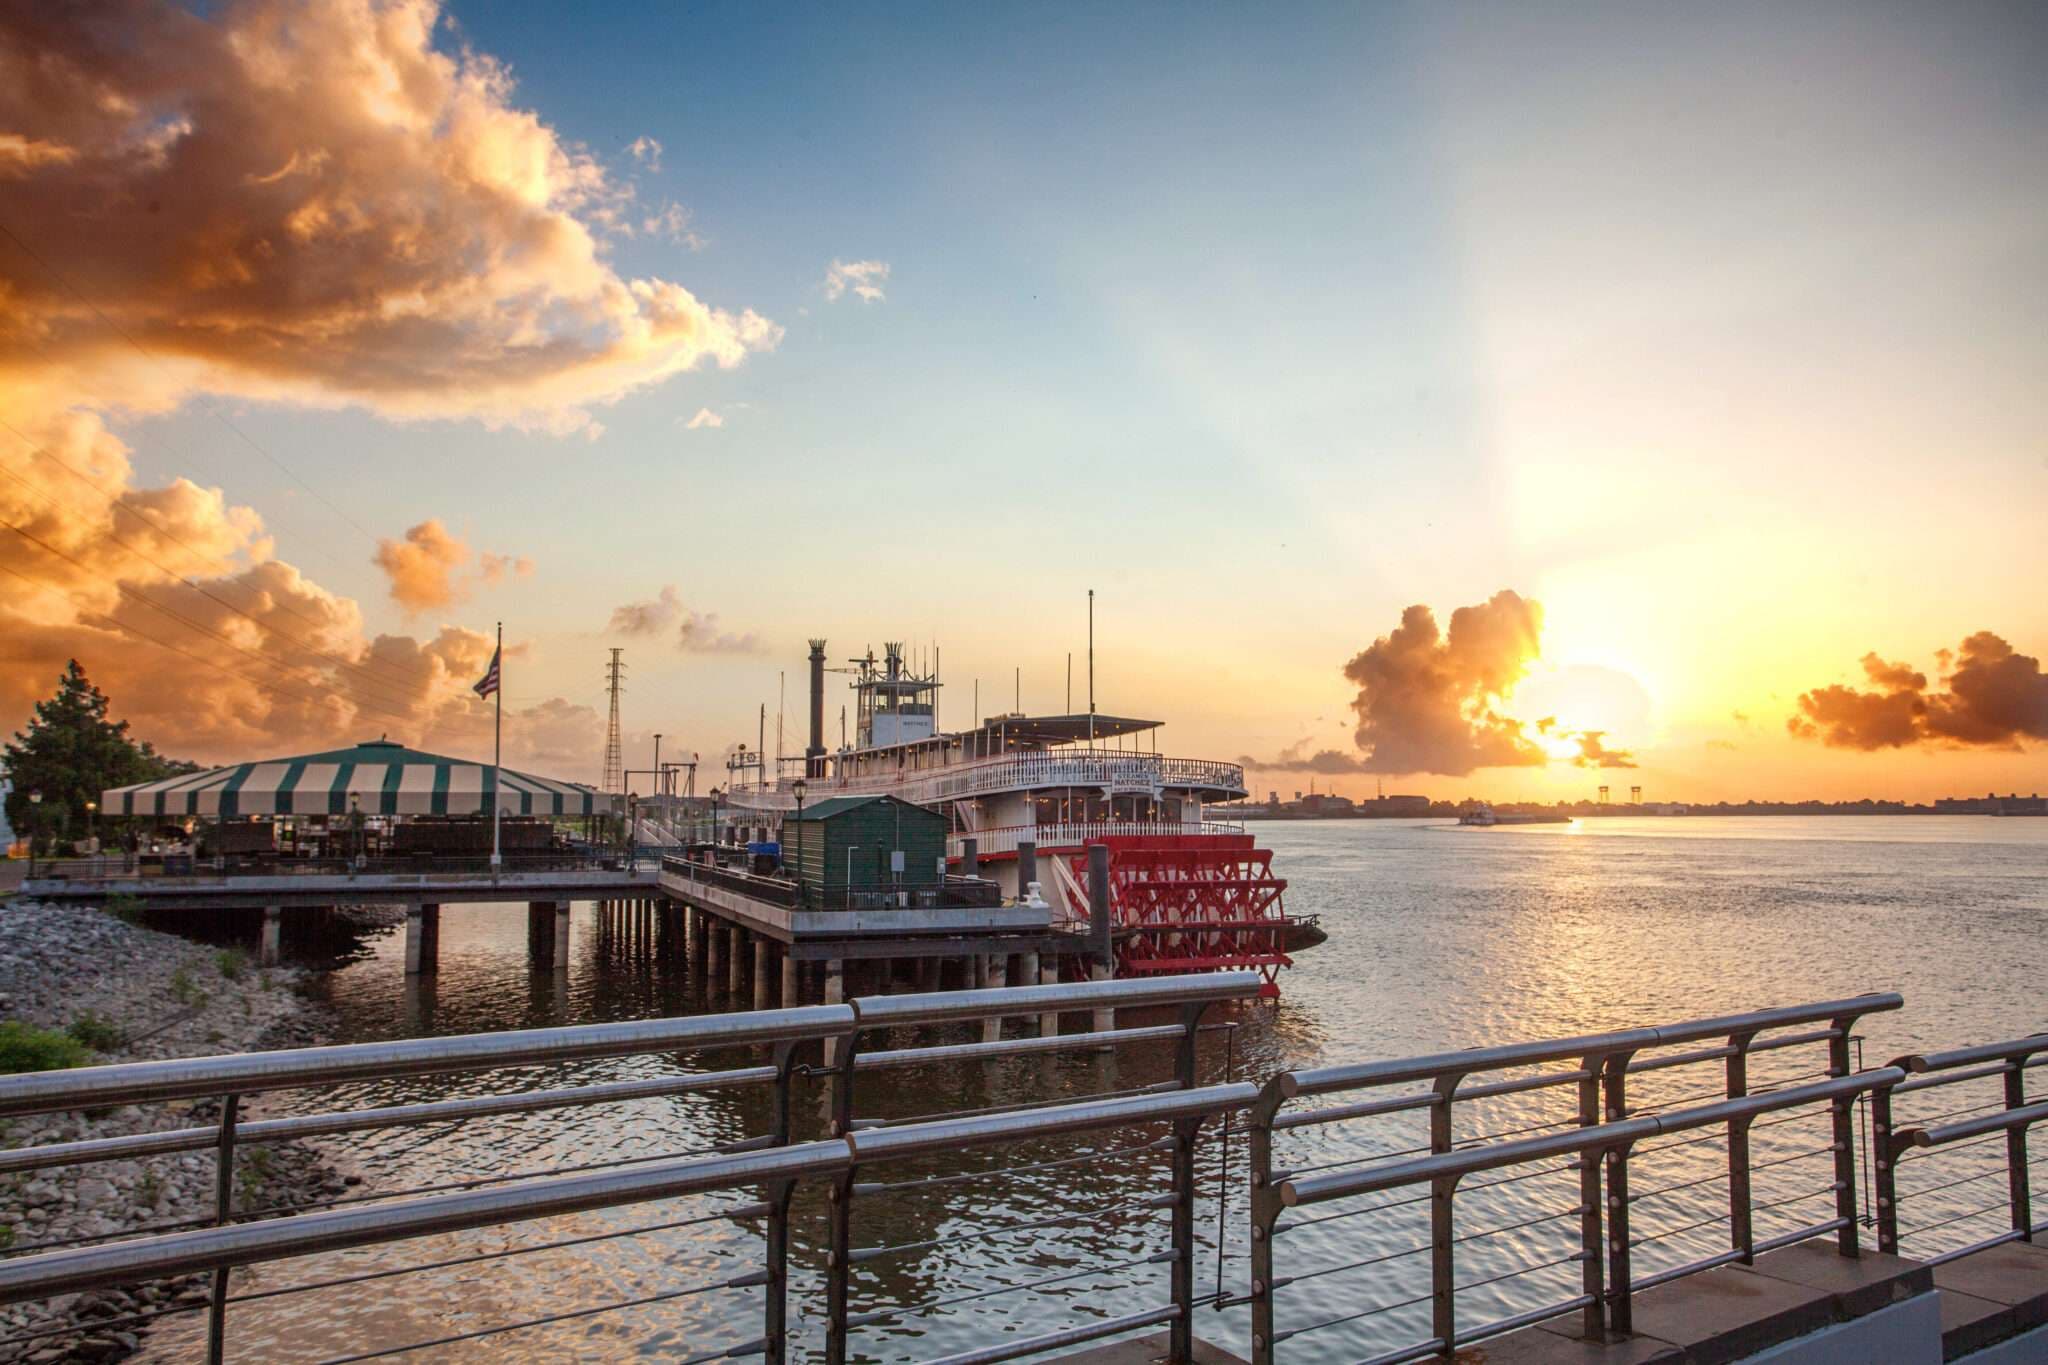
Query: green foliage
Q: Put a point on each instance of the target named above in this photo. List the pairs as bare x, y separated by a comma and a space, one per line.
231, 961
184, 989
71, 752
254, 1164
97, 1032
24, 1047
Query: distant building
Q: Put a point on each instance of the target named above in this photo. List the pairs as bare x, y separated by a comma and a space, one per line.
1991, 803
1395, 806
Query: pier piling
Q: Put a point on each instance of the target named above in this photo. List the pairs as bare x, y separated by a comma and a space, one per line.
273, 934
998, 977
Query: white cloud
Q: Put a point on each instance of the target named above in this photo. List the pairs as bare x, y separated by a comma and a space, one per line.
864, 278
673, 222
646, 151
705, 418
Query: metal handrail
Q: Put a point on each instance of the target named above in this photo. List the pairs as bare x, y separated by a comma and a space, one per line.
2008, 1061
1602, 1064
297, 1068
766, 1160
1185, 1110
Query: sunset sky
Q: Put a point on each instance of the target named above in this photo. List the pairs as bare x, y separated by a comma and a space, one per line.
1702, 355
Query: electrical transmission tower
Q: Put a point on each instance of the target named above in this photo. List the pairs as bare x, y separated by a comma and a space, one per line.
614, 756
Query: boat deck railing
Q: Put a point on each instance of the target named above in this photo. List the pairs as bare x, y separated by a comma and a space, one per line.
1631, 1094
1103, 769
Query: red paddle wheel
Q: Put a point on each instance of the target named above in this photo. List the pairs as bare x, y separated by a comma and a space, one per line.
1193, 903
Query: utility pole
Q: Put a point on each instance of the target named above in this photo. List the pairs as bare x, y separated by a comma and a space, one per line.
614, 757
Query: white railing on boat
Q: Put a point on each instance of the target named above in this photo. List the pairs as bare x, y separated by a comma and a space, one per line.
1073, 834
1146, 774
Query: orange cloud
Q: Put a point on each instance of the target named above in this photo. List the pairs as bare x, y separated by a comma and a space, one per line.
1428, 702
310, 201
422, 566
1434, 702
696, 632
1992, 696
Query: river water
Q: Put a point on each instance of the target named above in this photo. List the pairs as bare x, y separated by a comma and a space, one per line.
1440, 938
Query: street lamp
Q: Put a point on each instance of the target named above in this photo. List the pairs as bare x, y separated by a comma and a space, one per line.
797, 789
92, 826
717, 793
35, 808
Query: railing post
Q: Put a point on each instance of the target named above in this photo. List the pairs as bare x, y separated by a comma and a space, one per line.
2016, 1151
1620, 1303
1265, 1214
839, 1255
1181, 1335
223, 1211
1741, 1215
1443, 1285
1843, 1109
776, 1193
1885, 1153
1592, 1280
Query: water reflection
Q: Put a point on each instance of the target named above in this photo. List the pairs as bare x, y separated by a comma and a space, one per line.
1439, 939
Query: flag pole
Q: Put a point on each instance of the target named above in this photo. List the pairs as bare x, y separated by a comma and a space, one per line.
497, 750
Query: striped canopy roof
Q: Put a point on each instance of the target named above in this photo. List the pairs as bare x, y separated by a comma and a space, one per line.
385, 778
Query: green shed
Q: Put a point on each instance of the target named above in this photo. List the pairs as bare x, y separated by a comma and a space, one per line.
864, 844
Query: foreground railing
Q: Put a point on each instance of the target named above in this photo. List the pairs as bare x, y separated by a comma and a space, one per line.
770, 1161
1483, 1219
1965, 1141
1607, 1128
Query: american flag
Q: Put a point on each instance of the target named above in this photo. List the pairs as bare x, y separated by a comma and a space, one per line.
488, 683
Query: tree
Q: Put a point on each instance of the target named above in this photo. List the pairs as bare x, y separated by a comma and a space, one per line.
71, 752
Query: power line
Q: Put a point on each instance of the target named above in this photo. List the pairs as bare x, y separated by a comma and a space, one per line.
183, 620
127, 628
365, 672
211, 409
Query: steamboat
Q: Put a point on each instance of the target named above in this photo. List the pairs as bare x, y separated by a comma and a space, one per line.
1188, 893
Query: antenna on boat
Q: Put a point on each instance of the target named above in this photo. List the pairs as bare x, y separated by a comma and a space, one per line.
1070, 682
1091, 665
1017, 701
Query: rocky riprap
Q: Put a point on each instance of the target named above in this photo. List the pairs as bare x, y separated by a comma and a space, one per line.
153, 995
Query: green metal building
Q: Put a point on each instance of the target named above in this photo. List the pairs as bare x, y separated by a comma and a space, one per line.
848, 847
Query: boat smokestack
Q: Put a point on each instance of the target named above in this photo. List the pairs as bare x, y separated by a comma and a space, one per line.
814, 756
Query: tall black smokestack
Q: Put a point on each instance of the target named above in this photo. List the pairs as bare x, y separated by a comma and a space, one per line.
814, 756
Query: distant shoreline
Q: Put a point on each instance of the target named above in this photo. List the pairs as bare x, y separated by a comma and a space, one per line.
1609, 812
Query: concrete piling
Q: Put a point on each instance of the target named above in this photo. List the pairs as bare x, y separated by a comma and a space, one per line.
761, 977
735, 963
422, 937
835, 994
998, 977
561, 936
273, 934
1049, 975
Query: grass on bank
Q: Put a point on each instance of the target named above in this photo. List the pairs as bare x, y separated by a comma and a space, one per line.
24, 1047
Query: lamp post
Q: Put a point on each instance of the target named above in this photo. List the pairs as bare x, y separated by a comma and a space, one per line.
355, 825
92, 828
632, 827
717, 793
35, 811
797, 789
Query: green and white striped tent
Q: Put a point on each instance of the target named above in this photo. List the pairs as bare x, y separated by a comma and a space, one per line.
385, 778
